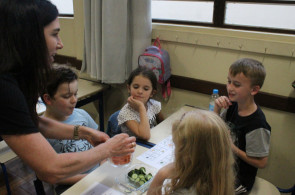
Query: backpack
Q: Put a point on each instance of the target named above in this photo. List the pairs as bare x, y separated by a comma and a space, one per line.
158, 60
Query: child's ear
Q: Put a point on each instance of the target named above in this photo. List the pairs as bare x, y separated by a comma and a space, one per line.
47, 99
255, 89
128, 88
153, 93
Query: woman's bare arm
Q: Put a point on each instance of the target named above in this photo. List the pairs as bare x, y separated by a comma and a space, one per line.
57, 130
52, 167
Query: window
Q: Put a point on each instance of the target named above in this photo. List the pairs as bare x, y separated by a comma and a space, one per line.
265, 15
183, 11
259, 15
65, 7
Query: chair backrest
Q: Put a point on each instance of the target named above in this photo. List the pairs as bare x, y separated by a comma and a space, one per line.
113, 127
262, 187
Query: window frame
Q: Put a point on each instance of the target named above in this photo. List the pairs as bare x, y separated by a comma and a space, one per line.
219, 16
66, 15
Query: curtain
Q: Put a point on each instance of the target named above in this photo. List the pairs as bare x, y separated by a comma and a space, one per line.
116, 33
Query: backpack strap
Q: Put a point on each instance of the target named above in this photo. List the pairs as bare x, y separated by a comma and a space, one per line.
157, 43
166, 88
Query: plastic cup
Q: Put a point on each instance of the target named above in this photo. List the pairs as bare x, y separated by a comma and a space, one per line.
123, 161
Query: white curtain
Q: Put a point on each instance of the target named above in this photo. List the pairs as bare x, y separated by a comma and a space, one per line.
116, 33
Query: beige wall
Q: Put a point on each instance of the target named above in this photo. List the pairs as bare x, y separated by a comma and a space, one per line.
206, 54
72, 32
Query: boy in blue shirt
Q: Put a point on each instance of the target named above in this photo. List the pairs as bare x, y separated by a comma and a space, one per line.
60, 99
250, 131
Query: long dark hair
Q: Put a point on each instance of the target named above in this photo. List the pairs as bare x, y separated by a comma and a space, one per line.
23, 48
145, 72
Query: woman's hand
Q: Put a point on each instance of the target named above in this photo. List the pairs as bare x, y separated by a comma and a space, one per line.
120, 145
97, 137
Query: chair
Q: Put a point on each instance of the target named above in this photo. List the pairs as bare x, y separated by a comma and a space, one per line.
289, 190
38, 184
263, 187
113, 127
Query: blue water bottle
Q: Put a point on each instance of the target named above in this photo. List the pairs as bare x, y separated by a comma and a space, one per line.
213, 97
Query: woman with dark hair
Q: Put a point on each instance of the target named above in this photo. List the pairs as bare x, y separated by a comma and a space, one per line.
29, 40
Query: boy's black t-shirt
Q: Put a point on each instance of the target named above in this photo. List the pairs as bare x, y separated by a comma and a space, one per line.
252, 135
15, 117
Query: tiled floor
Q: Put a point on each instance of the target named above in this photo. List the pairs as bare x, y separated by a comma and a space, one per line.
21, 178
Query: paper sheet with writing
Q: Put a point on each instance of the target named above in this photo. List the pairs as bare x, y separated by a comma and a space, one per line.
100, 189
159, 155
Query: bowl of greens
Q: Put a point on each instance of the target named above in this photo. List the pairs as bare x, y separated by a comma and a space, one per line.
137, 177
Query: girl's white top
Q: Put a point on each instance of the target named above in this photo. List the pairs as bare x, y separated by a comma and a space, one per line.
127, 113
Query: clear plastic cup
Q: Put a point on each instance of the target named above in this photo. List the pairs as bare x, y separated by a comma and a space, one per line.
123, 161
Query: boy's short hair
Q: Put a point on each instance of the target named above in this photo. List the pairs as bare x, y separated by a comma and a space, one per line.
251, 68
59, 74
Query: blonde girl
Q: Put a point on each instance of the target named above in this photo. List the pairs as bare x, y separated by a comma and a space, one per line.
141, 113
203, 158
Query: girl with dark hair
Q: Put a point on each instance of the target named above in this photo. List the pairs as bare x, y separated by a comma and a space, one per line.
29, 40
141, 113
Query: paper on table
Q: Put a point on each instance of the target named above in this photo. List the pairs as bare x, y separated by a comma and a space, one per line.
100, 189
159, 155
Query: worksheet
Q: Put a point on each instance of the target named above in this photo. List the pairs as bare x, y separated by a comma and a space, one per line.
159, 155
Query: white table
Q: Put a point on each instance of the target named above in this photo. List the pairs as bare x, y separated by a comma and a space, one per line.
105, 174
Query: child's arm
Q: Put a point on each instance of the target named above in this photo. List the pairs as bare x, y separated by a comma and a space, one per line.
221, 102
160, 117
141, 129
258, 162
157, 183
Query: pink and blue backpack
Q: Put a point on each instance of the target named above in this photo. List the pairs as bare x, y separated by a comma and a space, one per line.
158, 60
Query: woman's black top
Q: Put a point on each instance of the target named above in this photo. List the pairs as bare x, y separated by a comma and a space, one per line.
15, 117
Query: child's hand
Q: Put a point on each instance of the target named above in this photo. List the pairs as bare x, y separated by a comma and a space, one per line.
222, 102
135, 104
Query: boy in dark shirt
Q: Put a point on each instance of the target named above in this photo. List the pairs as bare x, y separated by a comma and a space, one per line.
249, 130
